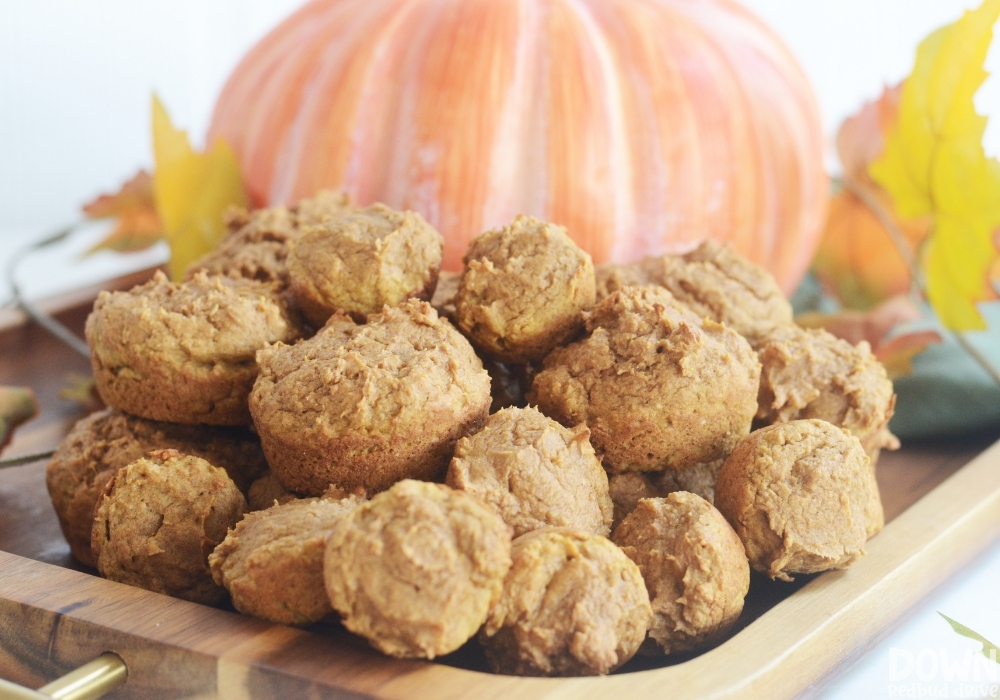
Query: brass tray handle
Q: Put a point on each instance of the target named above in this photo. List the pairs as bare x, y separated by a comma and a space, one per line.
90, 681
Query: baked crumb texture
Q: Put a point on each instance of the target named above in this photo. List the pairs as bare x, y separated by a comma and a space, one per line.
367, 405
257, 244
104, 442
572, 605
694, 567
184, 353
534, 473
272, 561
799, 496
158, 520
523, 290
714, 282
416, 569
363, 259
658, 387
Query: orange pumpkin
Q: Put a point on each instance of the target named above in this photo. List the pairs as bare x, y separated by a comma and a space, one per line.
643, 126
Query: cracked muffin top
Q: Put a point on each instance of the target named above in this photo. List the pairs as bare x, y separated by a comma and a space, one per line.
658, 387
159, 519
184, 353
363, 259
523, 290
256, 246
714, 282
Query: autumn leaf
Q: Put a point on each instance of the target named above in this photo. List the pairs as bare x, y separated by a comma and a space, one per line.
894, 351
17, 405
857, 261
934, 165
990, 650
192, 190
138, 225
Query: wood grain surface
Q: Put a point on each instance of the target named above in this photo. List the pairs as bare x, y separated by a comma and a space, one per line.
55, 614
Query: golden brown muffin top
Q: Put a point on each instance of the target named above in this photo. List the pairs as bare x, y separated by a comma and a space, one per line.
658, 387
416, 569
573, 605
159, 519
206, 320
694, 567
104, 442
523, 290
534, 473
370, 378
272, 561
363, 259
714, 282
257, 244
798, 495
813, 374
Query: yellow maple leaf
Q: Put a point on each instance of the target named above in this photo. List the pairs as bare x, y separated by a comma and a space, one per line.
934, 164
193, 190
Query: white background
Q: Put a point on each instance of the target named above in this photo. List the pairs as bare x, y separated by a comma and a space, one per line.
75, 84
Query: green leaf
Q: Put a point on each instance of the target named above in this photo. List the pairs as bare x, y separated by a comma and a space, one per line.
988, 646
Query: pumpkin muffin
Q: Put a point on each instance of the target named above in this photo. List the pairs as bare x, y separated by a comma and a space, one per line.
523, 290
362, 260
104, 442
272, 561
658, 387
714, 282
628, 489
268, 491
416, 569
534, 473
799, 496
368, 405
572, 605
814, 374
694, 567
158, 520
184, 353
257, 244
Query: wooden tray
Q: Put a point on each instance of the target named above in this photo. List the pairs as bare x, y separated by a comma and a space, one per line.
55, 615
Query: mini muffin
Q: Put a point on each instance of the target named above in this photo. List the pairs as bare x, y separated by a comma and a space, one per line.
368, 405
799, 496
158, 520
628, 489
268, 491
573, 605
523, 290
184, 353
362, 260
272, 561
714, 282
658, 387
534, 473
104, 442
814, 374
415, 570
257, 244
694, 567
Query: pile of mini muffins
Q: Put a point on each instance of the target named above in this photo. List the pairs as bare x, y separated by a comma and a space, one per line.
570, 465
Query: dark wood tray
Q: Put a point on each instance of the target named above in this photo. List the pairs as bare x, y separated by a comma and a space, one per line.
942, 500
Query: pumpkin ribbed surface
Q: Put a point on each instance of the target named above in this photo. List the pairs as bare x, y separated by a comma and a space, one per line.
642, 126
